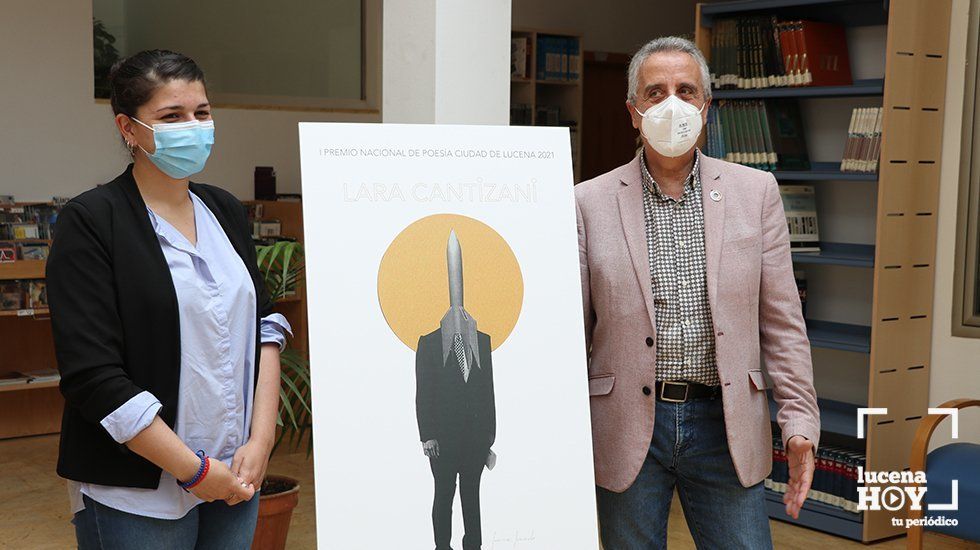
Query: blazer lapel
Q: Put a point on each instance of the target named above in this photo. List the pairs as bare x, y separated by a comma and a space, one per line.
634, 227
712, 188
223, 221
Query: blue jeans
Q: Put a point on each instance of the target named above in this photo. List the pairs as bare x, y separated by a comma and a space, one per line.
689, 450
209, 526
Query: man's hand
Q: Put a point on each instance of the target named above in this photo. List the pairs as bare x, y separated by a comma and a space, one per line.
249, 464
431, 448
799, 453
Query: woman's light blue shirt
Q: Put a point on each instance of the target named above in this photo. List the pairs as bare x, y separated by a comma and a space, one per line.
216, 301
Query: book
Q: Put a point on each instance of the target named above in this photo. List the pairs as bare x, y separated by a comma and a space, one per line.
760, 51
800, 205
834, 478
764, 134
11, 296
574, 58
863, 144
559, 58
8, 252
825, 60
28, 222
33, 251
520, 114
547, 115
518, 57
35, 293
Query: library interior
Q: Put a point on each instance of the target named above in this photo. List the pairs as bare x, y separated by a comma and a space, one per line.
866, 113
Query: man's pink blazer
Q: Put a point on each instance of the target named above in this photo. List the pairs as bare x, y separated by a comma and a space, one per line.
755, 307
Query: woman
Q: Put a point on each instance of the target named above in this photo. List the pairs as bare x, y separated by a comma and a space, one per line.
165, 339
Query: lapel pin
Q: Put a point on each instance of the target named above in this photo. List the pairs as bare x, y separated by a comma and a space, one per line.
715, 195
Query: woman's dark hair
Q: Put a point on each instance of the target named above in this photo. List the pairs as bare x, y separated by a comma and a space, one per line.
133, 80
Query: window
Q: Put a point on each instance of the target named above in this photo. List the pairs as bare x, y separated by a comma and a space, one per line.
288, 54
966, 301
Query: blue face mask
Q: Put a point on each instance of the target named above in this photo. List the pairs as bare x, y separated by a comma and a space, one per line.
182, 148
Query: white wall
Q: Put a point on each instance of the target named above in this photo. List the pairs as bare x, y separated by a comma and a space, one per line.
57, 141
293, 48
620, 26
955, 361
446, 62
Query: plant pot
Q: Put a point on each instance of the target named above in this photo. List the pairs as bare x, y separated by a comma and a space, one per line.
275, 512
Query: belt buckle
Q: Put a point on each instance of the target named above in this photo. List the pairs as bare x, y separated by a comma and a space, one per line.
663, 385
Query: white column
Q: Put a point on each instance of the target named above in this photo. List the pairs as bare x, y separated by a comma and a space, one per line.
446, 61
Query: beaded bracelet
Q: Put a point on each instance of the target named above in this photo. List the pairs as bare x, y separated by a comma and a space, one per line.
201, 472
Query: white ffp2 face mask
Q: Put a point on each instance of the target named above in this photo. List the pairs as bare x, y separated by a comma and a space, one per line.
672, 126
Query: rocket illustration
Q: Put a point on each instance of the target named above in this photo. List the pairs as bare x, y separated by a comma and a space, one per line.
457, 320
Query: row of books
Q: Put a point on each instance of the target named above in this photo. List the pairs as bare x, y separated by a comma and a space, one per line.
835, 478
863, 144
12, 252
764, 52
13, 378
800, 206
763, 134
520, 57
521, 114
543, 115
23, 294
28, 222
558, 58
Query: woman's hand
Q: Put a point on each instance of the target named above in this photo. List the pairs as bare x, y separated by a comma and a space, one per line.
221, 484
250, 462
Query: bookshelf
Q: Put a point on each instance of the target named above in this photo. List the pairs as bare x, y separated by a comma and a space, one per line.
535, 90
895, 344
35, 408
28, 407
293, 308
822, 171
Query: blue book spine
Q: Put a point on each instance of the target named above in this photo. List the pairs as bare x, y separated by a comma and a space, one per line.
542, 58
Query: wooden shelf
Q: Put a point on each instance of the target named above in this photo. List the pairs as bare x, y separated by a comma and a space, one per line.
912, 91
836, 417
839, 336
566, 95
817, 515
870, 87
27, 386
844, 254
25, 312
850, 13
822, 171
559, 82
23, 269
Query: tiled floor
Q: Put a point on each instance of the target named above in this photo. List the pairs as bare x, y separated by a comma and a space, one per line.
34, 508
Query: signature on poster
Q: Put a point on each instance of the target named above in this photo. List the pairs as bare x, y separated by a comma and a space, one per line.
519, 539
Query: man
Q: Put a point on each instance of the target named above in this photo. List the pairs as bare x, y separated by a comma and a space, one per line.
454, 404
686, 277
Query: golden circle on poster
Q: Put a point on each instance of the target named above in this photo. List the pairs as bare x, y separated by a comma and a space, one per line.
413, 279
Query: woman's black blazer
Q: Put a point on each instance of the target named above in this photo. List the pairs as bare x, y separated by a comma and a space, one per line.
115, 321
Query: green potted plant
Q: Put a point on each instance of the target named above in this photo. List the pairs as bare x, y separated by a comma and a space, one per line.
105, 55
282, 266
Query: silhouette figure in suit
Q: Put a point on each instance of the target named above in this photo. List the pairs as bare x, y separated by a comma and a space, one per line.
455, 409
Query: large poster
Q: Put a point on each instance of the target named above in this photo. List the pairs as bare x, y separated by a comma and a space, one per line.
450, 394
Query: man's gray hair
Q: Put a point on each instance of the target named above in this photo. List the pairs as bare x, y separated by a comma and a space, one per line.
667, 44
